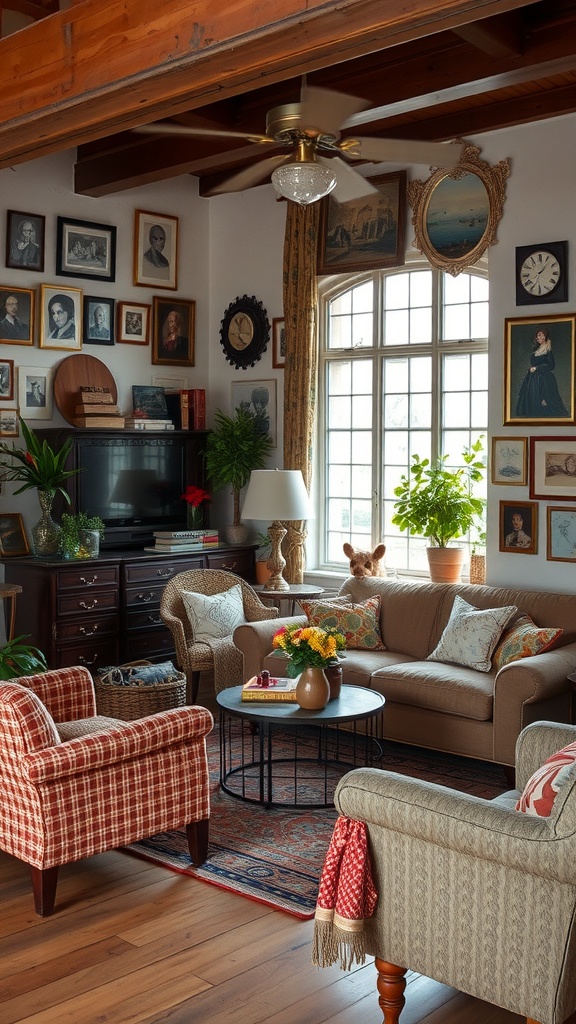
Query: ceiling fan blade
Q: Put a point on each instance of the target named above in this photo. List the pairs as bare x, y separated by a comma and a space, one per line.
249, 176
325, 110
437, 154
351, 185
167, 128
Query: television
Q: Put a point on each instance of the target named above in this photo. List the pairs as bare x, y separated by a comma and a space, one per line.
133, 480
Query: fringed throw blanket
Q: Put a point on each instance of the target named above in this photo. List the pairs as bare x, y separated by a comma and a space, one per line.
228, 663
346, 897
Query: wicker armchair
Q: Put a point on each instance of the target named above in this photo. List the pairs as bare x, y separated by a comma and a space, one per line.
222, 657
74, 783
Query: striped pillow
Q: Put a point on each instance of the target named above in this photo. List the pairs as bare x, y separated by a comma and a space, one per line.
543, 787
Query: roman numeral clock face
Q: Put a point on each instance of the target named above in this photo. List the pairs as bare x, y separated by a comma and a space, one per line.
541, 273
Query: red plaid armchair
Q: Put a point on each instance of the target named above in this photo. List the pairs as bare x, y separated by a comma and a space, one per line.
73, 783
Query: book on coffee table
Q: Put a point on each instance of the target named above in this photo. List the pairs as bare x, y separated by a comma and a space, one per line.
278, 689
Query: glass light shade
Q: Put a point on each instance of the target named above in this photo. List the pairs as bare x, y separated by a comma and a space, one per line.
303, 183
277, 494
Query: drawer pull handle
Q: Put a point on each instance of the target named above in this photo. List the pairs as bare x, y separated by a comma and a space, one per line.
88, 632
154, 621
229, 568
165, 573
88, 607
88, 583
88, 661
142, 597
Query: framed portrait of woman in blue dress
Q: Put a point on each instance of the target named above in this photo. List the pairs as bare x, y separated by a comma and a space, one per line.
539, 370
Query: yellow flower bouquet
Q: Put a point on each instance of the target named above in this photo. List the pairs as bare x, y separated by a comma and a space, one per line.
308, 646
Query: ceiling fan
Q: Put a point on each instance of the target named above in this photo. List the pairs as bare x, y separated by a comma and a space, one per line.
318, 161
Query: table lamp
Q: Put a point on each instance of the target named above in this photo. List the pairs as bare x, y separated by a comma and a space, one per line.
276, 494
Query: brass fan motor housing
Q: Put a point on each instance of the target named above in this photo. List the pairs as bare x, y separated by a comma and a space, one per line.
284, 124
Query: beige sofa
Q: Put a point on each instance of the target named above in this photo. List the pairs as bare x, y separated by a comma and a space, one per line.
444, 706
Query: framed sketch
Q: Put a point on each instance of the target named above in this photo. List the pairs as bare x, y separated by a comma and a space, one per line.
12, 536
133, 323
171, 383
509, 461
259, 398
149, 402
553, 468
9, 423
560, 534
98, 321
25, 240
366, 233
6, 380
16, 316
35, 392
60, 317
85, 250
539, 367
519, 527
173, 331
278, 344
155, 250
455, 213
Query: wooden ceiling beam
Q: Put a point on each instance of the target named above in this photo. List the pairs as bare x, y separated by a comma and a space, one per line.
496, 37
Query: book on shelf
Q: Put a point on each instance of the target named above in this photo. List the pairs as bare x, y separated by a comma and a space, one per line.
197, 408
183, 534
96, 396
174, 545
179, 549
206, 538
96, 409
98, 421
280, 689
177, 405
135, 423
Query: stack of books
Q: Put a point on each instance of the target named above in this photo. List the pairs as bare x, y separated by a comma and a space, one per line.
277, 689
187, 408
143, 423
180, 541
96, 408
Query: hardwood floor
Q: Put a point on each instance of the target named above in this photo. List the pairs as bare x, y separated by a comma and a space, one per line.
131, 943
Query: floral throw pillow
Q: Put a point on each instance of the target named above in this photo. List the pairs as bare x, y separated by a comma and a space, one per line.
214, 617
358, 622
523, 640
471, 634
543, 787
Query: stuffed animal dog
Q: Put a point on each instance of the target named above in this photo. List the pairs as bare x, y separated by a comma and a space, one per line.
362, 563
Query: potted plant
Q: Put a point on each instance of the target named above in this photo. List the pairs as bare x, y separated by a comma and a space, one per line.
80, 535
436, 502
234, 448
20, 659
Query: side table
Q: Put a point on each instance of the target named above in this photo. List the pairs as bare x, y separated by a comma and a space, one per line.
297, 590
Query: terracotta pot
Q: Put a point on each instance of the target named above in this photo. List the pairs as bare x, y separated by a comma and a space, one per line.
445, 564
312, 689
263, 573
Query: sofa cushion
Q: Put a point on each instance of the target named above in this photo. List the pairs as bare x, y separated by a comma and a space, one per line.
214, 617
438, 686
358, 622
544, 785
523, 640
471, 634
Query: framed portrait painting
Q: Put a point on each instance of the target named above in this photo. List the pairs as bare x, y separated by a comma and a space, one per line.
60, 318
35, 392
6, 380
560, 534
259, 398
173, 331
9, 426
519, 527
133, 323
84, 249
553, 468
16, 316
25, 240
539, 367
97, 321
509, 462
12, 535
366, 233
155, 250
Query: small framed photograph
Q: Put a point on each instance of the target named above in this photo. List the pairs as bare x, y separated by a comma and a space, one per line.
509, 461
6, 380
539, 370
366, 233
25, 240
173, 331
149, 402
561, 534
35, 392
16, 316
12, 536
155, 250
519, 527
259, 398
98, 321
85, 250
278, 344
553, 468
9, 423
60, 317
133, 323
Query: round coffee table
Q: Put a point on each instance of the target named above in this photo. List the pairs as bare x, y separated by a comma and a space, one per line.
278, 754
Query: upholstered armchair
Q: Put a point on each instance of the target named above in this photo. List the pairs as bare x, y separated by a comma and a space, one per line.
208, 645
73, 783
471, 892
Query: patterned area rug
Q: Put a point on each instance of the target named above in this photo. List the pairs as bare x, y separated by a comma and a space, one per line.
275, 856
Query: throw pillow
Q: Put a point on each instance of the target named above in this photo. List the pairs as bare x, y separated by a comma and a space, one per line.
358, 622
471, 634
543, 787
214, 617
523, 640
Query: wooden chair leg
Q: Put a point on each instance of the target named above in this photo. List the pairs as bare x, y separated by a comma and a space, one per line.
194, 686
44, 884
197, 835
391, 984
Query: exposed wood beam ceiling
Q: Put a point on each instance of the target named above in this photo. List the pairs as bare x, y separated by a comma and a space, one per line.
430, 70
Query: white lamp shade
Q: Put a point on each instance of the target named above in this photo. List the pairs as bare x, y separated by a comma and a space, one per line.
277, 494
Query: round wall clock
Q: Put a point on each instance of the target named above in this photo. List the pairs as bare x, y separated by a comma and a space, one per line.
541, 273
244, 332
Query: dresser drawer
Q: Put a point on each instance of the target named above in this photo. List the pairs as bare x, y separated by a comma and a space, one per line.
151, 572
86, 577
147, 594
94, 655
94, 626
241, 562
153, 643
145, 619
88, 603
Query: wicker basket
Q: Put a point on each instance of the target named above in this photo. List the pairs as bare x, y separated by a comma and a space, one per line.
478, 569
130, 702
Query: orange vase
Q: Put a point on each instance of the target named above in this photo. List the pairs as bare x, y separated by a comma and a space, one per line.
312, 689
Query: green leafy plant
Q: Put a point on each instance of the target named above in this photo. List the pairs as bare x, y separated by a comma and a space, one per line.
37, 466
234, 448
436, 502
264, 547
70, 533
20, 659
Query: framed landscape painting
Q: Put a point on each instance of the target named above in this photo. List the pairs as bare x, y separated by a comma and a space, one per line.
366, 233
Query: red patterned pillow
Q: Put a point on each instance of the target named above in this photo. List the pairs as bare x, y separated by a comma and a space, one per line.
543, 787
523, 640
360, 623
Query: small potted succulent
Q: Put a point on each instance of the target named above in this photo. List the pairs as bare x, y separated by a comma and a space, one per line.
80, 535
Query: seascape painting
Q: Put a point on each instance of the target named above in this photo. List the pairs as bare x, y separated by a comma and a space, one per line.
457, 215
